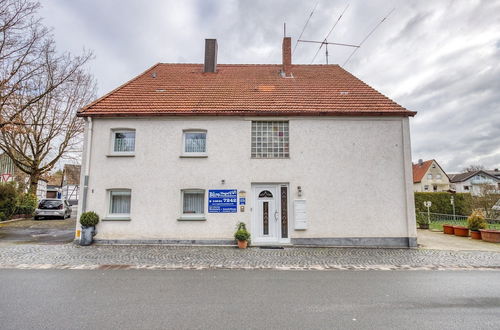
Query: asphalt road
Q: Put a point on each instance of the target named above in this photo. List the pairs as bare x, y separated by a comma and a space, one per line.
244, 299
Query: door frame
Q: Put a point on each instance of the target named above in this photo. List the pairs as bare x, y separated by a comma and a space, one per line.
256, 239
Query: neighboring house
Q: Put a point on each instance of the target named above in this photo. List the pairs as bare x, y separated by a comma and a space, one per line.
10, 173
428, 176
71, 183
54, 185
303, 154
495, 173
475, 182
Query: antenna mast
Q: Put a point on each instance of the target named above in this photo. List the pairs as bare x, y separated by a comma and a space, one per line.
325, 41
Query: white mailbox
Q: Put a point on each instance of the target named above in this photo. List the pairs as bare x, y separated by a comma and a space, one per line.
300, 214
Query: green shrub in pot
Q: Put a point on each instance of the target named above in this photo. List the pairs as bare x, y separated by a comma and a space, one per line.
89, 219
477, 221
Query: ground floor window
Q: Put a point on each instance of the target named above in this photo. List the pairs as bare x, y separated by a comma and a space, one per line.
119, 202
193, 203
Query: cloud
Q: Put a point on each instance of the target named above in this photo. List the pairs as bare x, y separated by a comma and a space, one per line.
440, 58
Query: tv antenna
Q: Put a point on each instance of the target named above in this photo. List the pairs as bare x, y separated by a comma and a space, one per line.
368, 35
325, 42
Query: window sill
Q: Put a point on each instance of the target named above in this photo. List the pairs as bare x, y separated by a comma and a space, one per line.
201, 218
120, 155
193, 156
116, 219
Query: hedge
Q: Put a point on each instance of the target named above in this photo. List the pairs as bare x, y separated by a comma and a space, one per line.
441, 202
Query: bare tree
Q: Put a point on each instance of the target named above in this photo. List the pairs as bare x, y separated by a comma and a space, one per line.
48, 130
30, 68
472, 168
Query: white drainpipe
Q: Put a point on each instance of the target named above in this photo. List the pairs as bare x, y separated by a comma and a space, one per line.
87, 165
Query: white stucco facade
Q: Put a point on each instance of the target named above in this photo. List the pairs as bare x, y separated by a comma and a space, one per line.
355, 175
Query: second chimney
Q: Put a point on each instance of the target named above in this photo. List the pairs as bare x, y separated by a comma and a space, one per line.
286, 71
210, 55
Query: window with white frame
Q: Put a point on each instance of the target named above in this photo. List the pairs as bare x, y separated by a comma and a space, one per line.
429, 176
193, 203
270, 139
123, 141
119, 202
438, 176
426, 187
194, 143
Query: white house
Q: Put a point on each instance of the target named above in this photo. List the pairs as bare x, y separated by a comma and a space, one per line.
428, 176
475, 182
303, 154
70, 187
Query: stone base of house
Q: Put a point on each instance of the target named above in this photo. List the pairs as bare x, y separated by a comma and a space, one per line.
374, 242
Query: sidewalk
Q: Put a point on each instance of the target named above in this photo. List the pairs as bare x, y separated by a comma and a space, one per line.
437, 240
70, 256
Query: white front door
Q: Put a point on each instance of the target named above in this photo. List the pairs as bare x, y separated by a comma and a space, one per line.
266, 214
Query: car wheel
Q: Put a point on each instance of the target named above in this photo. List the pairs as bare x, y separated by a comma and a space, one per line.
36, 218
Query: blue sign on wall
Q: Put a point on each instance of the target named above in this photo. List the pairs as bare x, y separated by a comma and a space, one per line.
243, 200
222, 201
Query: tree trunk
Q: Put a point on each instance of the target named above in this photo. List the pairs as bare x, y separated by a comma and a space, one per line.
33, 184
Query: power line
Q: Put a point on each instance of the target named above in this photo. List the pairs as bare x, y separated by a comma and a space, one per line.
307, 22
369, 34
333, 27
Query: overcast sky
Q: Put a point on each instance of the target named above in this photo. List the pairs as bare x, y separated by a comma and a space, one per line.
440, 58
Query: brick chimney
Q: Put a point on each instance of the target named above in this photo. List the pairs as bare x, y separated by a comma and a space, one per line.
286, 70
210, 55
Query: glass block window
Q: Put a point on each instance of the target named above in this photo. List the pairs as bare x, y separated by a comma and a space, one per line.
119, 202
193, 202
270, 139
195, 142
124, 141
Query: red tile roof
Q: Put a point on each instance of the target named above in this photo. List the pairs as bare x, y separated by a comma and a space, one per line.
183, 89
420, 170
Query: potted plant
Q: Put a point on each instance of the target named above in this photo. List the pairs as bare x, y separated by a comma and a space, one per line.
490, 235
242, 235
448, 229
88, 221
461, 231
475, 222
422, 221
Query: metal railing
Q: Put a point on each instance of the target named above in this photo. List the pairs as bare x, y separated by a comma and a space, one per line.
437, 220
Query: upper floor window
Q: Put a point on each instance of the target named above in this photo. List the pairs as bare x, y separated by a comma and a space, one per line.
270, 139
429, 176
194, 143
438, 176
123, 141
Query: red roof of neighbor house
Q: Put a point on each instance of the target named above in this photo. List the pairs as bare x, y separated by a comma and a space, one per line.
183, 89
420, 170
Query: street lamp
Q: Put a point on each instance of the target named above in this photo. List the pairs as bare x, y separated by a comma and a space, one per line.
428, 205
452, 201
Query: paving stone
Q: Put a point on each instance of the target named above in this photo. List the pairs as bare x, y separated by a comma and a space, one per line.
202, 257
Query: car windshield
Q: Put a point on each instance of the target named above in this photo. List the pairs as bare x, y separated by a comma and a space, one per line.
48, 204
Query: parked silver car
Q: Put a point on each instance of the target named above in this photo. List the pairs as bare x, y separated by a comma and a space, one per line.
53, 208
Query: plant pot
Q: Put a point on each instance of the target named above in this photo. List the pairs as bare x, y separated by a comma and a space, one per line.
87, 235
461, 231
242, 244
475, 234
423, 226
448, 229
489, 235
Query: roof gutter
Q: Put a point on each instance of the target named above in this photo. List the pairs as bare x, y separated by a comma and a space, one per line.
251, 113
